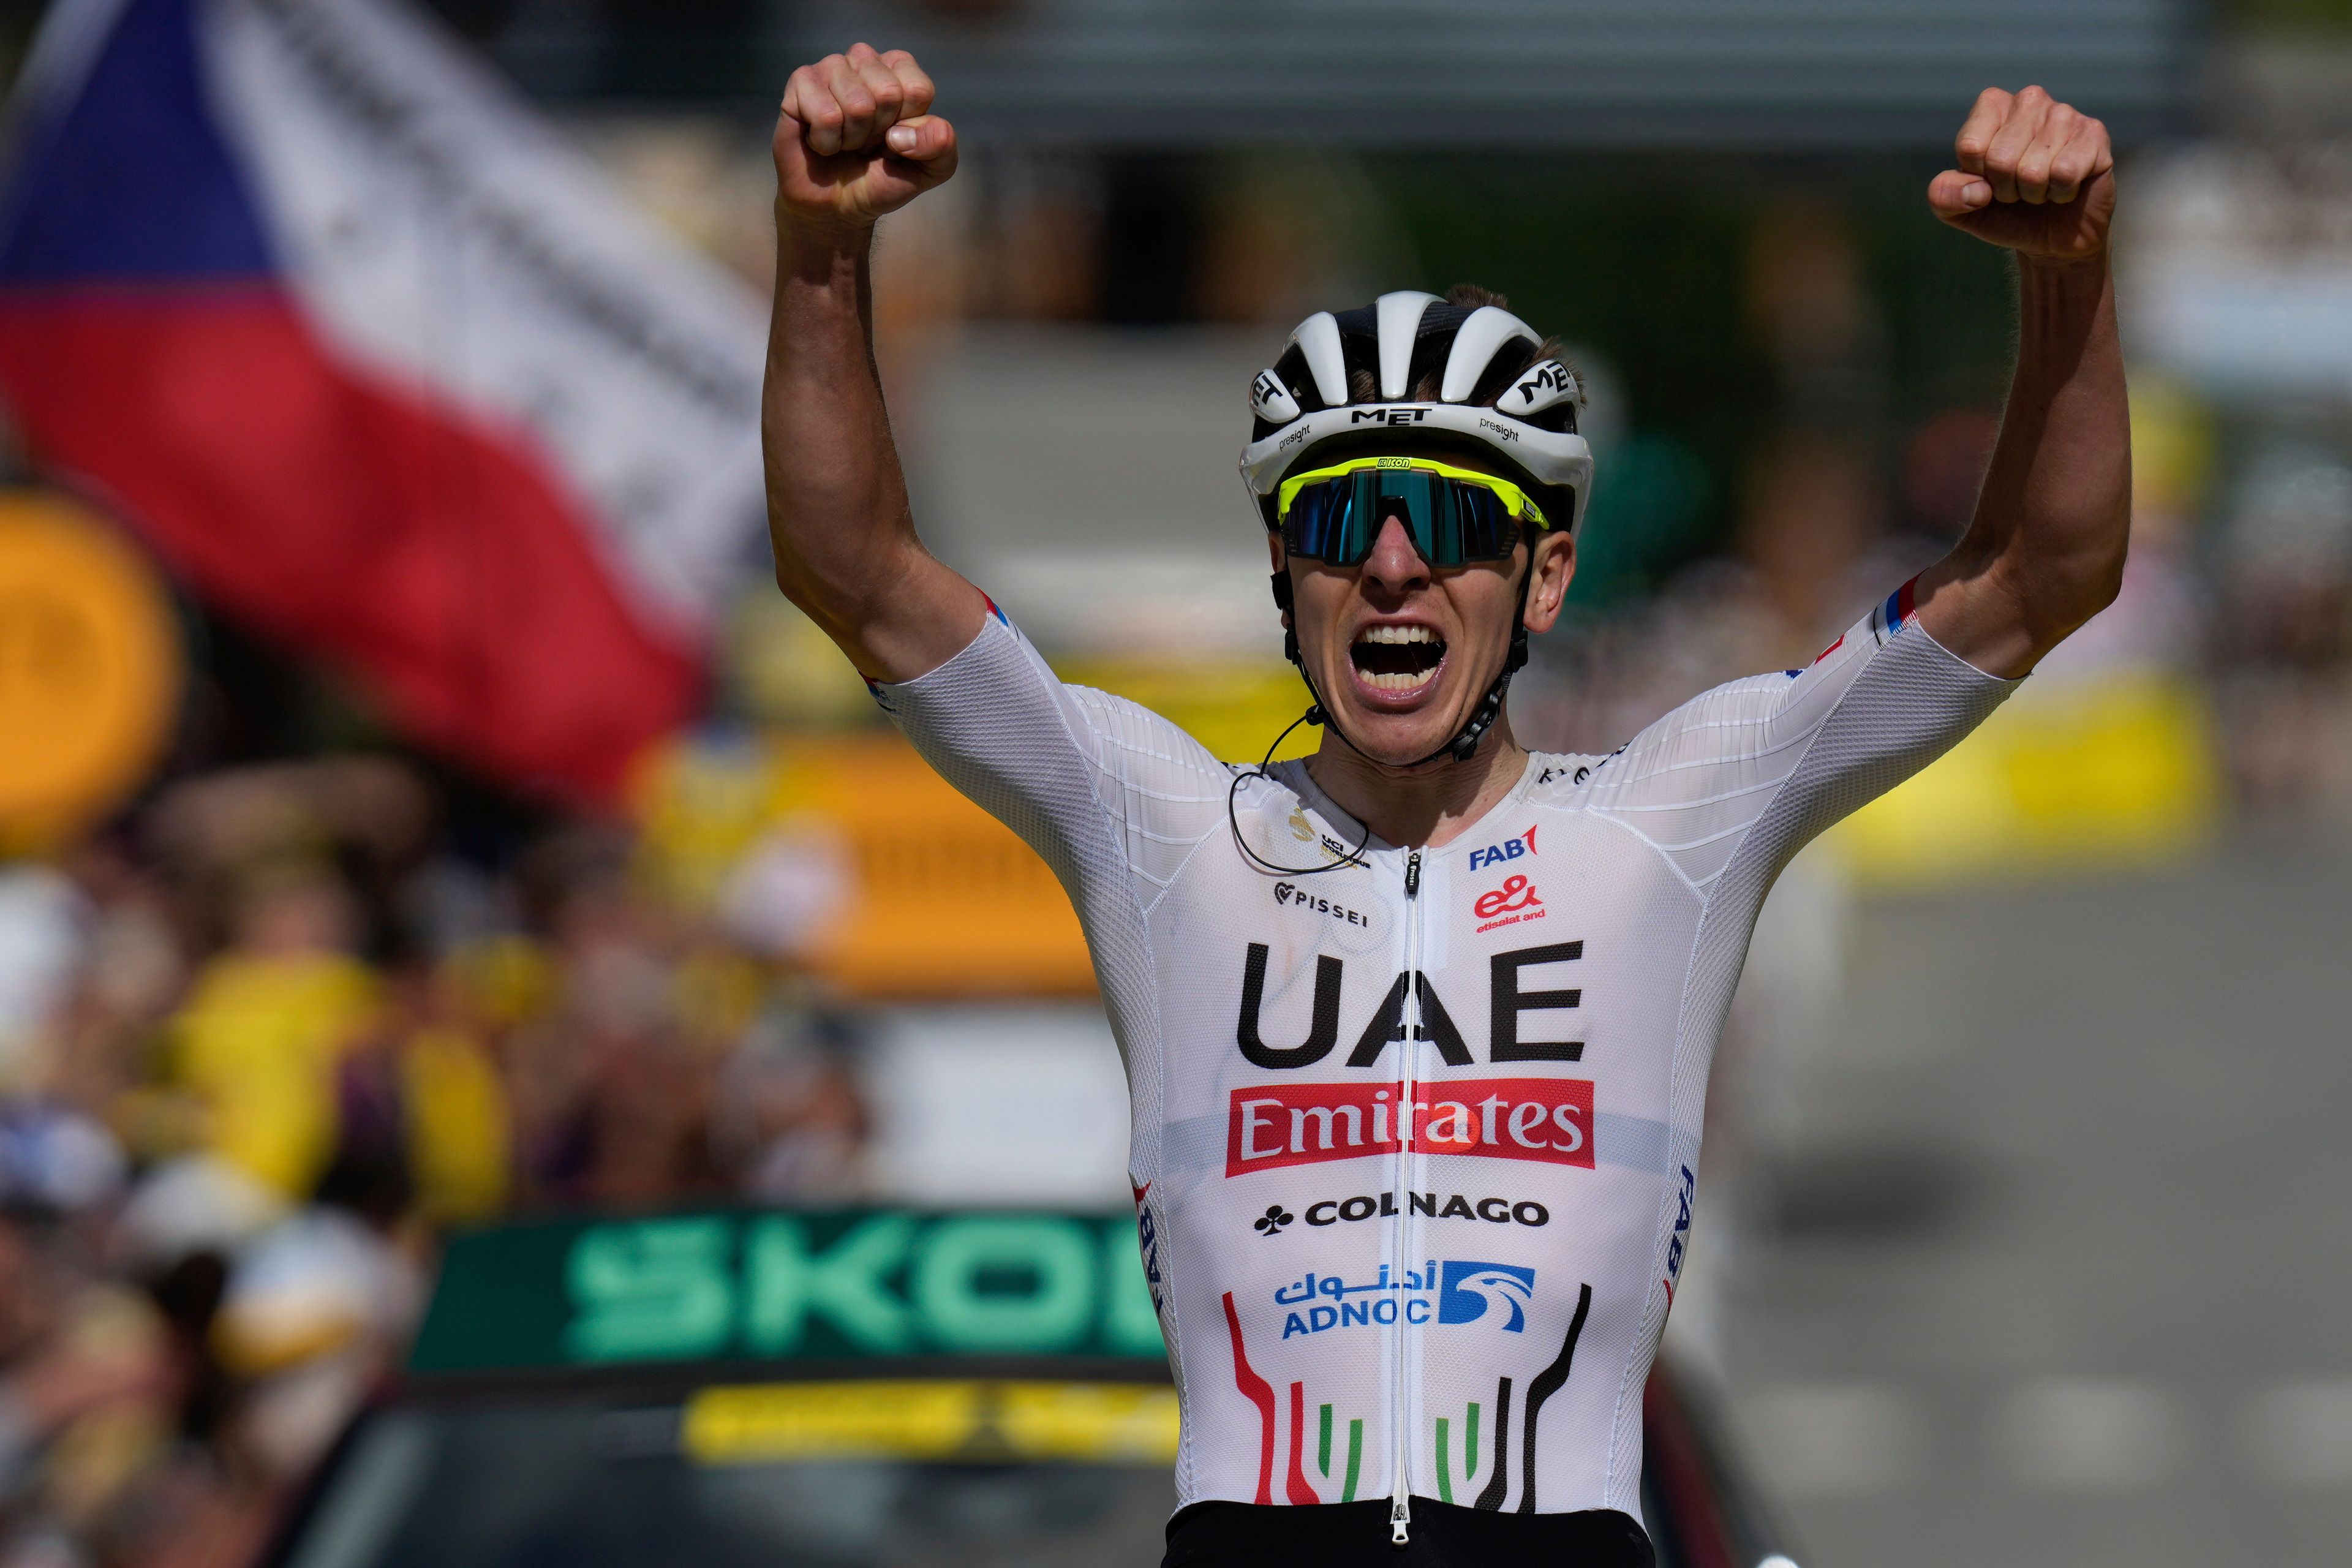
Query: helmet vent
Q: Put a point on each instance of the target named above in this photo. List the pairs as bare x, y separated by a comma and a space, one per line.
1400, 328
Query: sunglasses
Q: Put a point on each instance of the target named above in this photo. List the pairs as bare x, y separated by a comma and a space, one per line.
1455, 516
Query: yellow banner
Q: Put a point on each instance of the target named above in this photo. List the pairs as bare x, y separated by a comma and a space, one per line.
1088, 1423
2083, 772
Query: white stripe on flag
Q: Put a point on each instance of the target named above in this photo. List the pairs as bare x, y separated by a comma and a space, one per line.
437, 230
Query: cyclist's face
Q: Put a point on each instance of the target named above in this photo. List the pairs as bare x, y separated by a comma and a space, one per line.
1402, 651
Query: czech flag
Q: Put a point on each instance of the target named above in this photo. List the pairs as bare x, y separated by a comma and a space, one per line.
383, 368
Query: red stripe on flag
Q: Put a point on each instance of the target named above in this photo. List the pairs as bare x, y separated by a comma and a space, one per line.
355, 519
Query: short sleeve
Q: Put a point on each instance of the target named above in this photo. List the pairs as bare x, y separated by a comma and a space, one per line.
1110, 794
1732, 785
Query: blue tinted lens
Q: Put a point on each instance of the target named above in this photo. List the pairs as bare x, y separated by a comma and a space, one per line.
1481, 526
1452, 522
1326, 520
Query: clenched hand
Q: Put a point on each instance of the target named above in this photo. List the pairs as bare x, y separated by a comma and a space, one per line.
855, 140
2035, 176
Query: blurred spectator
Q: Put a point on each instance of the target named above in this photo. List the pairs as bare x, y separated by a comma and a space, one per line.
1808, 302
259, 1046
788, 1117
459, 1137
85, 1376
1813, 510
2286, 644
42, 921
259, 1041
1943, 467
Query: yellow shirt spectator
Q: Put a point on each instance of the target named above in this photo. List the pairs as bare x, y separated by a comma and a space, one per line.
459, 1142
258, 1044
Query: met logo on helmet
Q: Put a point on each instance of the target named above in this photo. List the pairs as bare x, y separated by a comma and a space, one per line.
1510, 848
1550, 377
1407, 416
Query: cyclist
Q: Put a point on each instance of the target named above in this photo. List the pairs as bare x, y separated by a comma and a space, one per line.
1417, 1031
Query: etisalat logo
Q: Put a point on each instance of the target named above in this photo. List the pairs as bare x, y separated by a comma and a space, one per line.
1514, 901
1454, 1292
1290, 895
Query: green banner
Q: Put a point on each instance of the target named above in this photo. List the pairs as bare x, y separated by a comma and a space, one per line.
753, 1286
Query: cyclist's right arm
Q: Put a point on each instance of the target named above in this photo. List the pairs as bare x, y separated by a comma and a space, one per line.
854, 141
1104, 790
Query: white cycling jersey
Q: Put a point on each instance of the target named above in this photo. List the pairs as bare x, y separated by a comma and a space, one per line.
1418, 1238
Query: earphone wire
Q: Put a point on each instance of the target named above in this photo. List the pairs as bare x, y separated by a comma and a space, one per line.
1232, 819
1490, 709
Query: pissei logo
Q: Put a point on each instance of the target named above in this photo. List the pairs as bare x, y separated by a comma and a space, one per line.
1290, 895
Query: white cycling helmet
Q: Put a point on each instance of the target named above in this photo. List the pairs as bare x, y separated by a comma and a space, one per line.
1401, 341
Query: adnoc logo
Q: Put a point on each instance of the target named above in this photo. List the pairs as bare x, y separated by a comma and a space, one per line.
1466, 1291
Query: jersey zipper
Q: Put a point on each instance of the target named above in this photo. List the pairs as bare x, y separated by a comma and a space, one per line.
1401, 1490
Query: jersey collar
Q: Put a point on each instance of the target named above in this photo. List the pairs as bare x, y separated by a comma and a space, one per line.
1340, 824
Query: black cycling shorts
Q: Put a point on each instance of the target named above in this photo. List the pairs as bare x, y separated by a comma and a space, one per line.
1356, 1535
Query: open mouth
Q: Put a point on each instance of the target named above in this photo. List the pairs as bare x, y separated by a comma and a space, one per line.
1396, 659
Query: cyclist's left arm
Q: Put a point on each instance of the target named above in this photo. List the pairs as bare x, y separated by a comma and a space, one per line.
2045, 551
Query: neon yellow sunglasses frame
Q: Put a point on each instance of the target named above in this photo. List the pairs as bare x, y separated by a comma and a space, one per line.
1521, 505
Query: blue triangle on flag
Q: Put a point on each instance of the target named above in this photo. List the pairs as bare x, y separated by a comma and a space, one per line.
123, 176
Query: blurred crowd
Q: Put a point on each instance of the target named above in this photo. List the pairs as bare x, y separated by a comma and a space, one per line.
260, 1045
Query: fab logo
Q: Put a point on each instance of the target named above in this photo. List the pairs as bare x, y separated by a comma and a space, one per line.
1510, 848
1679, 1242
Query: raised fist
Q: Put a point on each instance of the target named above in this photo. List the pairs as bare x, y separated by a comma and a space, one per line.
2035, 176
856, 139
